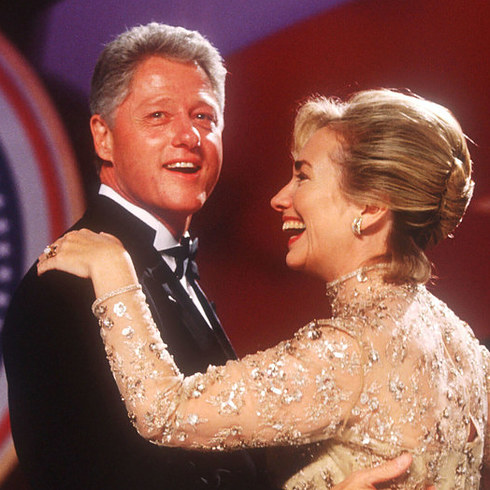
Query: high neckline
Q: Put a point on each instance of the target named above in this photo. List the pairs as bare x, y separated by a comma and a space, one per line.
359, 291
360, 274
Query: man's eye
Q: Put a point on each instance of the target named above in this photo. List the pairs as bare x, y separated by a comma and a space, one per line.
203, 116
157, 115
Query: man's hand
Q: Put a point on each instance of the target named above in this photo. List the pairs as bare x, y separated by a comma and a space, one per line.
366, 479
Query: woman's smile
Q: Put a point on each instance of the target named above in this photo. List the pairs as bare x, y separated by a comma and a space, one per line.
293, 226
315, 213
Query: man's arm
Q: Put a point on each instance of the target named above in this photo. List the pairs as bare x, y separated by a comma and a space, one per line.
366, 479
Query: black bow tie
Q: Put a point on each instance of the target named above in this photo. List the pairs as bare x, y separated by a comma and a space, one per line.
184, 255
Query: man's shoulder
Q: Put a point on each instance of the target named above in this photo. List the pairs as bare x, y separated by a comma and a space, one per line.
104, 214
101, 213
49, 282
38, 296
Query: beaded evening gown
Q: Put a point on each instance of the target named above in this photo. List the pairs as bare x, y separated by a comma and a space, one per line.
393, 370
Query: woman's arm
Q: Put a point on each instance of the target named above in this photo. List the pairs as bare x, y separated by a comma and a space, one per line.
299, 391
486, 452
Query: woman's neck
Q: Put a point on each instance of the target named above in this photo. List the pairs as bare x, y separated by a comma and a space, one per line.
351, 285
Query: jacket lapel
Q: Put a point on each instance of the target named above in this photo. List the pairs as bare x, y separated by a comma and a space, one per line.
161, 281
181, 324
210, 311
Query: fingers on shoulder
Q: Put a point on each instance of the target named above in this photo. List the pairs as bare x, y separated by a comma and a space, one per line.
110, 237
391, 469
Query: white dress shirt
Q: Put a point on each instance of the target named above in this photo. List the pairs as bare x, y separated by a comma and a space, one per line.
163, 238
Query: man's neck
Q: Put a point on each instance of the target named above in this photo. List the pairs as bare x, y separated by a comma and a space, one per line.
177, 225
164, 238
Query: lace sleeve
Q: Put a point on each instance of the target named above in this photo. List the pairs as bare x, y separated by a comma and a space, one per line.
486, 451
299, 391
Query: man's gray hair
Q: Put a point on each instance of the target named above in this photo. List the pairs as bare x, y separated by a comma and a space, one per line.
120, 58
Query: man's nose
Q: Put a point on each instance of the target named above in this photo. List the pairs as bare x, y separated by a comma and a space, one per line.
185, 134
283, 199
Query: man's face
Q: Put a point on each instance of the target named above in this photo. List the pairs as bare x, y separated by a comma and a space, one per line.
164, 149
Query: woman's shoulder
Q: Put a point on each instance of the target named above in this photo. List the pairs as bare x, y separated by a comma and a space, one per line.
452, 326
349, 326
331, 330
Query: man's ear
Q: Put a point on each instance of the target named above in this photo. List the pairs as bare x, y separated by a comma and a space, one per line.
374, 218
102, 137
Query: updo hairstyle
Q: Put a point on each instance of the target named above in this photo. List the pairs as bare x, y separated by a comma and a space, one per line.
401, 152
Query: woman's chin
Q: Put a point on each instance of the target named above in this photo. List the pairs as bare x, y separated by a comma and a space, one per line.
294, 263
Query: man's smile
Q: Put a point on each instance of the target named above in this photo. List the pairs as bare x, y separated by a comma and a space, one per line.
183, 167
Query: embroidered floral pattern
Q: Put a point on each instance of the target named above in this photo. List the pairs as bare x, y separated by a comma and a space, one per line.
393, 370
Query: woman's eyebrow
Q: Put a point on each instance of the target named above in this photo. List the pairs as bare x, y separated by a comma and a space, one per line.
299, 164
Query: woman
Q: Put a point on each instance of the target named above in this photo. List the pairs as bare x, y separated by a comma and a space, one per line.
376, 180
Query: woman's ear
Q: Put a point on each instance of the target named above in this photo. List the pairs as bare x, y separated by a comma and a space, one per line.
102, 137
374, 218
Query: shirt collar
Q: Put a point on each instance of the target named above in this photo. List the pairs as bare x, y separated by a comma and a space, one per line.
163, 238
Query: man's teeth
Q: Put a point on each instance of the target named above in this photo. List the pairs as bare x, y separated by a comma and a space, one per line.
293, 225
181, 165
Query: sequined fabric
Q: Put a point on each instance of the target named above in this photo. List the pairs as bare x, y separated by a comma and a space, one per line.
393, 370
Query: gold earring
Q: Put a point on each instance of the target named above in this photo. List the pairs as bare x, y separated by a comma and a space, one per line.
356, 226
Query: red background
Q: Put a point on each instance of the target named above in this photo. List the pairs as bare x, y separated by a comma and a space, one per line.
437, 49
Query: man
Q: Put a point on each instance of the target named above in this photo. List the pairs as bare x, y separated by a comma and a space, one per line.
157, 103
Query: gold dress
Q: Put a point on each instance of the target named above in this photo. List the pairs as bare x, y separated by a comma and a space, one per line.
393, 370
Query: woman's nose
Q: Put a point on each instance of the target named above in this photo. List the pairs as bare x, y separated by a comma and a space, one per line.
282, 200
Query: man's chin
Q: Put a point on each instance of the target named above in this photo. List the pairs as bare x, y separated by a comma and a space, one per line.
179, 208
176, 213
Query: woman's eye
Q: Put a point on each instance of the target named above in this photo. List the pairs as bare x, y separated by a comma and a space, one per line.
301, 177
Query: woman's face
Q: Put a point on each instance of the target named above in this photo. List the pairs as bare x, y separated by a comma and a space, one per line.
314, 210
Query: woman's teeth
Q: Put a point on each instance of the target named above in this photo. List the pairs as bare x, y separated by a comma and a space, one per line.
293, 225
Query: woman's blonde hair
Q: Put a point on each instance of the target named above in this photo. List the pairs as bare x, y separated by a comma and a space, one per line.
402, 152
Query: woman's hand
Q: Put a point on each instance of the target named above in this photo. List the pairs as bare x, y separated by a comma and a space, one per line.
97, 256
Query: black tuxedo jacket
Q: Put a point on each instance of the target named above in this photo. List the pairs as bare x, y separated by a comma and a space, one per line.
69, 424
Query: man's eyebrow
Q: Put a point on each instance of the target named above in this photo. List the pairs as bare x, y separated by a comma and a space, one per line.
159, 98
